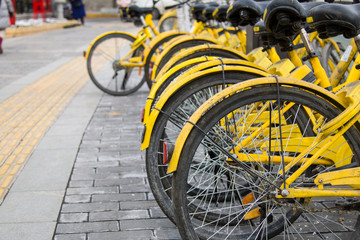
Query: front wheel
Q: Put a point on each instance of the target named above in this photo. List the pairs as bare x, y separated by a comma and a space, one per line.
238, 201
104, 67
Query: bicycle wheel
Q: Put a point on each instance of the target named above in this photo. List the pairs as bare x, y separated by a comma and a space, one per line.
175, 112
168, 24
209, 53
174, 49
156, 49
104, 68
237, 201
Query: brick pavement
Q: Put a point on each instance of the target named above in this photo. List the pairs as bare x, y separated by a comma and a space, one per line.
108, 196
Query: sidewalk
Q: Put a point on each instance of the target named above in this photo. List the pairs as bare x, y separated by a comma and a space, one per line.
85, 177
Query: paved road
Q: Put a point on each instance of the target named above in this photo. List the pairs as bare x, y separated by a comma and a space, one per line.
85, 177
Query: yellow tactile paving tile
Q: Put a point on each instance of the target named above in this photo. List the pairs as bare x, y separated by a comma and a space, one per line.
26, 116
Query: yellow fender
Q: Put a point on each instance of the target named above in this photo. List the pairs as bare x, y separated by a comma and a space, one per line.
157, 83
159, 38
102, 35
290, 82
167, 14
209, 62
176, 85
179, 40
203, 47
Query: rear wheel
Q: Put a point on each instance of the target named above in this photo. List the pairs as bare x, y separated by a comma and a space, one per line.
156, 49
179, 107
237, 200
104, 68
176, 48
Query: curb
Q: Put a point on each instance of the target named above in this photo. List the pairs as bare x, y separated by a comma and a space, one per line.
102, 15
22, 31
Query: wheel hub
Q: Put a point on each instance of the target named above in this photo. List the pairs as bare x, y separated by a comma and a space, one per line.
117, 67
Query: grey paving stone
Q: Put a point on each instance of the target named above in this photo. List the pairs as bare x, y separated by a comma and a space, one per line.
118, 215
150, 196
70, 237
156, 212
134, 188
87, 227
92, 190
77, 198
145, 224
83, 170
86, 156
122, 169
120, 181
121, 197
96, 164
81, 183
108, 156
133, 174
90, 207
83, 176
138, 205
73, 217
167, 234
128, 235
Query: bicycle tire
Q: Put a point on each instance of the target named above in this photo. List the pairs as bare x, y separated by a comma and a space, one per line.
154, 49
177, 48
103, 69
283, 215
211, 52
163, 130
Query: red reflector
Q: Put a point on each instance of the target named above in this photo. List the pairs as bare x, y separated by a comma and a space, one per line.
84, 53
165, 153
142, 114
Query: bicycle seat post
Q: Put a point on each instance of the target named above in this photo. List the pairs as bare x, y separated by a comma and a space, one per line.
142, 19
307, 43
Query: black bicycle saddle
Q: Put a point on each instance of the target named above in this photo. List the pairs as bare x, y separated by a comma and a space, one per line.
246, 12
136, 11
208, 12
334, 19
197, 10
220, 13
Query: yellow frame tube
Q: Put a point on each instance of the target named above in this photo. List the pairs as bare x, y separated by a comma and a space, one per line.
315, 192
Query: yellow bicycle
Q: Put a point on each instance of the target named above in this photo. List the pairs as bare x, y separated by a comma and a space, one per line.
275, 156
118, 62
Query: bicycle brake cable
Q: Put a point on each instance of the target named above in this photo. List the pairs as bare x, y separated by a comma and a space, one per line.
281, 143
